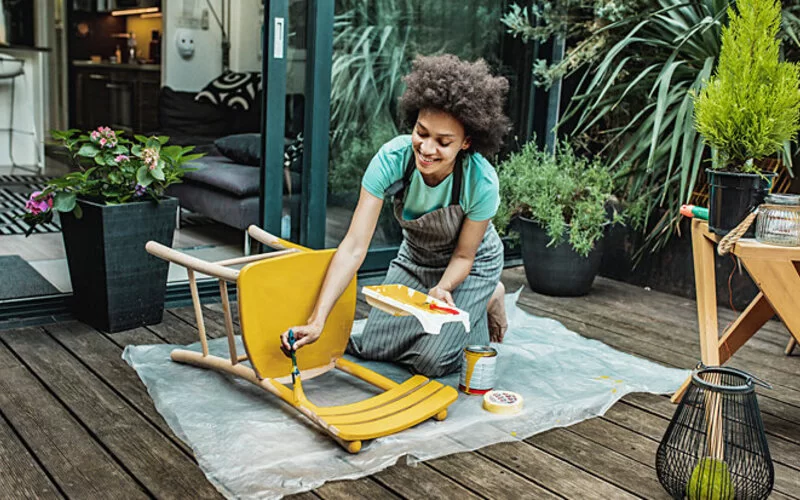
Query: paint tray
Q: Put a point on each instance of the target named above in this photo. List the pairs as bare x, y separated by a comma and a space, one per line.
400, 300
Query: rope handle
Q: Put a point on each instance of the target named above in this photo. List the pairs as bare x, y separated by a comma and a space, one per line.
726, 244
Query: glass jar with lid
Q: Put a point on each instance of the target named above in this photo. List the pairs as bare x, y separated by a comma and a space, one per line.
778, 220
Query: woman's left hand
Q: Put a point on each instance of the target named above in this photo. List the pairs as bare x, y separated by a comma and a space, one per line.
440, 293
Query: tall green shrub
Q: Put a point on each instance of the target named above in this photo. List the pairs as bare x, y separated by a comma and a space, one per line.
751, 106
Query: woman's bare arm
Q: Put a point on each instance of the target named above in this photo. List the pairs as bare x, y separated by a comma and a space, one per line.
469, 239
345, 263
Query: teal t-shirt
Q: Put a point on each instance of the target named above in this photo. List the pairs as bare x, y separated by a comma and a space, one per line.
480, 189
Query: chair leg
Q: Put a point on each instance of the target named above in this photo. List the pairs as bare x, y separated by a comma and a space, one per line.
246, 244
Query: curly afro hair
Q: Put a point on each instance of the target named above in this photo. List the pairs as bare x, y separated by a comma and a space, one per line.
465, 90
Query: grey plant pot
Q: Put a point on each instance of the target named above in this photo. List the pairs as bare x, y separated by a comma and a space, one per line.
732, 196
556, 270
116, 284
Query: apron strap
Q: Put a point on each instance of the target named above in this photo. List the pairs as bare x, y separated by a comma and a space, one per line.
399, 187
455, 195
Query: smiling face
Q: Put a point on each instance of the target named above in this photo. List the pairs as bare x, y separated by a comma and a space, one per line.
437, 139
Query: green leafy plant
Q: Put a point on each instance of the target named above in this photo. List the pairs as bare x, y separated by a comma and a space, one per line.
633, 102
566, 194
572, 19
751, 105
111, 170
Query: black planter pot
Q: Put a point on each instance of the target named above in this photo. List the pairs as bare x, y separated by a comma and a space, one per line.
556, 270
732, 196
116, 284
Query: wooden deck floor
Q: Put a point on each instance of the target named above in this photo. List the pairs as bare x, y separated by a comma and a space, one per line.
76, 422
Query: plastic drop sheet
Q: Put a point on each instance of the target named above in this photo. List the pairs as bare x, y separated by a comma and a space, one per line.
252, 445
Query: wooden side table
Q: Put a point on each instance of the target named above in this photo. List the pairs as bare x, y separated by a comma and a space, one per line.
776, 272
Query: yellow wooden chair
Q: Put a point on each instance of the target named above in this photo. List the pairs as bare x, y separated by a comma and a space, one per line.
276, 291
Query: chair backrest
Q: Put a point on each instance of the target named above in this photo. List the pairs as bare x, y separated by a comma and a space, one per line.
278, 293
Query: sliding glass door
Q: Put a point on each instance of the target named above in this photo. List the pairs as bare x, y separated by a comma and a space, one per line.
343, 64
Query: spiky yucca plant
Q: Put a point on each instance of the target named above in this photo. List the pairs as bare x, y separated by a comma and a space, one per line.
751, 105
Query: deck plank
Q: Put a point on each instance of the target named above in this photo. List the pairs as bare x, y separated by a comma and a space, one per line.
157, 463
178, 327
364, 488
421, 481
610, 332
104, 358
602, 462
551, 472
137, 336
22, 477
487, 478
74, 460
620, 307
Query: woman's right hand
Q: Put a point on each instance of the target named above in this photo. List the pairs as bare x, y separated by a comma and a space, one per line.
306, 334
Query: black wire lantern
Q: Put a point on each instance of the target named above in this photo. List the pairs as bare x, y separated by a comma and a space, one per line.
715, 447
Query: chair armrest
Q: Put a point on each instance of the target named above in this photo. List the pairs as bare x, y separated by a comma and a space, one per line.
199, 265
273, 241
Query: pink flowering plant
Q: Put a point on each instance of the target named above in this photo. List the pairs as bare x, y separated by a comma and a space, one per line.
109, 169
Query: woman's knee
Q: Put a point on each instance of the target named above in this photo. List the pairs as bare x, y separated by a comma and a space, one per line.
432, 364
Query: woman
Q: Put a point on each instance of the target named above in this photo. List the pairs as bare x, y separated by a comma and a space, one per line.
444, 193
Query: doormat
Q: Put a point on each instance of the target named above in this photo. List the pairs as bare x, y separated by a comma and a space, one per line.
14, 192
20, 279
252, 445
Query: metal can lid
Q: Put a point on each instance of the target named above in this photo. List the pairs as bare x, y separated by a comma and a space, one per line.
782, 199
482, 349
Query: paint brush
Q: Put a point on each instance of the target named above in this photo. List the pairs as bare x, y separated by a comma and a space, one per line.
295, 370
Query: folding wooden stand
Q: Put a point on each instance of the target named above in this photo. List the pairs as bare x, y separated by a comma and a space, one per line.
776, 272
277, 291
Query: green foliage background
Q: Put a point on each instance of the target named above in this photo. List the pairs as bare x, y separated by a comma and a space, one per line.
373, 47
633, 101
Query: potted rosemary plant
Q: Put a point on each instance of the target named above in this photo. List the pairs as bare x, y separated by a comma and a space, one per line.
560, 203
109, 207
749, 110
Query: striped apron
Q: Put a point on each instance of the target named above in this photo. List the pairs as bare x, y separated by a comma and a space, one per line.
428, 243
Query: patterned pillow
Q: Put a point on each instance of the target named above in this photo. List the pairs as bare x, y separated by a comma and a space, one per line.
235, 90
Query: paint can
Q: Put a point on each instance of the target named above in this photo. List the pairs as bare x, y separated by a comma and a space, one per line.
478, 369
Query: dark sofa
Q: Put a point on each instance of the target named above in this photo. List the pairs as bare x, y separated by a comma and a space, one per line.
222, 188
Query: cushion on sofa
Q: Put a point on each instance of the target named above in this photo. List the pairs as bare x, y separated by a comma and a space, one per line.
241, 148
233, 90
226, 175
246, 149
180, 115
223, 174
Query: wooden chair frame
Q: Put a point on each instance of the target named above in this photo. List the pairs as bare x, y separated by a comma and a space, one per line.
400, 407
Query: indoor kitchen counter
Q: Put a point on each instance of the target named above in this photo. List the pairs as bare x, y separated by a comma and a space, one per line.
117, 66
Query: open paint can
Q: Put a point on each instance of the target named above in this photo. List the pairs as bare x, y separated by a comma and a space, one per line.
478, 369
